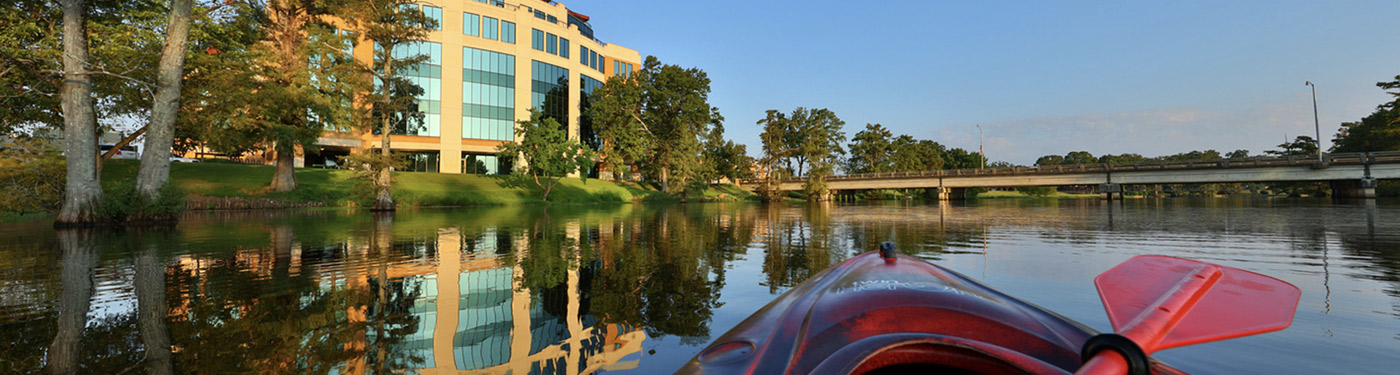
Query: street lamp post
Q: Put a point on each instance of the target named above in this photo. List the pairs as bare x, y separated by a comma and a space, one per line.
1317, 128
980, 153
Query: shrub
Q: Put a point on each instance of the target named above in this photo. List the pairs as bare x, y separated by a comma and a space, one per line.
32, 175
1037, 191
126, 205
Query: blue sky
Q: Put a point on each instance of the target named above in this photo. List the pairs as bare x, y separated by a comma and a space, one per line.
1042, 77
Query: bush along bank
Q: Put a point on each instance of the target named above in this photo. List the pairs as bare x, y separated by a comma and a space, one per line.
226, 186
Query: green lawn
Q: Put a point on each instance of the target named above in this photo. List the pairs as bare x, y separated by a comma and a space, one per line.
340, 188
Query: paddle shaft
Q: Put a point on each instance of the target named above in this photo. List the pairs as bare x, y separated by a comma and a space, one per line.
1106, 362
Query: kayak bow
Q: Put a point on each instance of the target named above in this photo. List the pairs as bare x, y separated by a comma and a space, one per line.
882, 312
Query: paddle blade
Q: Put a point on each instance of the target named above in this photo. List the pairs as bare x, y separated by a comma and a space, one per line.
1163, 302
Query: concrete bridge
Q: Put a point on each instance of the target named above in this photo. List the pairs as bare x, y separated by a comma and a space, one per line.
1352, 175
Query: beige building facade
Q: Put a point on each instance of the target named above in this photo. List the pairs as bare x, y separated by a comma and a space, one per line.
490, 62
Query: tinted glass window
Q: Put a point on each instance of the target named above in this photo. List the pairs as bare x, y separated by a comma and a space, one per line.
471, 24
508, 32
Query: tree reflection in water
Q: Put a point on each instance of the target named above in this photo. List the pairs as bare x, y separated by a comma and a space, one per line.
574, 290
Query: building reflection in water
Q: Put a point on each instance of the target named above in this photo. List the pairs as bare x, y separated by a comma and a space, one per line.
440, 303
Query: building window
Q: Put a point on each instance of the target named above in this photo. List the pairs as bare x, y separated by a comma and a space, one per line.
480, 164
489, 28
551, 44
537, 39
586, 133
471, 25
421, 162
435, 14
563, 48
549, 91
428, 76
488, 95
508, 32
499, 3
595, 62
583, 55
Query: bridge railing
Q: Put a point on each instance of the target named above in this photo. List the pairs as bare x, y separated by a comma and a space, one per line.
1383, 157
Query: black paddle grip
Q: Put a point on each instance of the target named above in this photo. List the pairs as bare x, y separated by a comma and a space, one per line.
1137, 359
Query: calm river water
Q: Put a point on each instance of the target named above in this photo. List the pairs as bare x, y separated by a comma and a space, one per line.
640, 289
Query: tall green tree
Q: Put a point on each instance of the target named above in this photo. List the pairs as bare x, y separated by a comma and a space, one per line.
818, 140
1379, 131
160, 134
957, 158
909, 154
389, 25
1303, 145
776, 150
297, 80
725, 159
658, 119
676, 109
1049, 160
1080, 157
615, 110
870, 150
548, 153
83, 189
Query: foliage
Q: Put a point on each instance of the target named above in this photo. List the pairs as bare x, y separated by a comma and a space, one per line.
615, 111
548, 153
1049, 160
870, 150
1379, 131
120, 35
365, 167
1238, 154
1080, 157
1037, 191
726, 159
676, 109
126, 205
916, 155
958, 158
657, 119
389, 24
288, 76
32, 173
1303, 145
818, 140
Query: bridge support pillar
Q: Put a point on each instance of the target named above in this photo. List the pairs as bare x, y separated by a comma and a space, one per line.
1110, 191
1354, 189
951, 194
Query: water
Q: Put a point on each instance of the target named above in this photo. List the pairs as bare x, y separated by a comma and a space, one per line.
640, 289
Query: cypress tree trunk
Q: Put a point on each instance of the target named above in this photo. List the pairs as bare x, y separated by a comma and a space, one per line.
79, 259
83, 190
383, 197
284, 177
151, 311
160, 133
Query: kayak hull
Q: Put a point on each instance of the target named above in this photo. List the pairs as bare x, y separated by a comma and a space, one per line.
871, 314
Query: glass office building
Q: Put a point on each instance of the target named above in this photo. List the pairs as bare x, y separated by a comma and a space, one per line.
464, 115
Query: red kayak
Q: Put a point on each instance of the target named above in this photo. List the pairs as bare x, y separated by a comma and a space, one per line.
887, 313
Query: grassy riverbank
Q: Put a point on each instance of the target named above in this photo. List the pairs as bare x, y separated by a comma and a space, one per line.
1012, 194
330, 187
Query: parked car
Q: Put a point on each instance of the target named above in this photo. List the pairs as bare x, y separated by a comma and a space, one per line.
183, 160
126, 152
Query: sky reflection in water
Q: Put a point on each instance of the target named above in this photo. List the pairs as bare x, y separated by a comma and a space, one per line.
577, 290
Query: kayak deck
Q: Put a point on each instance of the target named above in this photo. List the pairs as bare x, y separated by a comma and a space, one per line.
871, 314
